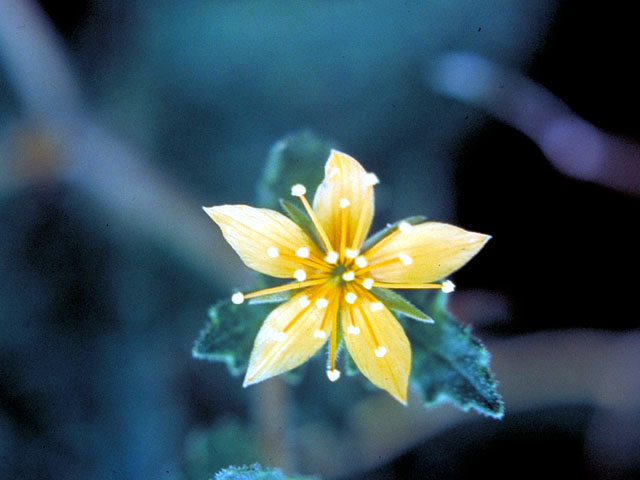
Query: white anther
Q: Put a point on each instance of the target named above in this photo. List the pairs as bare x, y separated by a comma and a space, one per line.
405, 227
332, 257
351, 253
353, 330
319, 334
448, 286
303, 252
348, 276
300, 275
322, 303
344, 202
279, 336
304, 301
406, 259
361, 261
333, 375
350, 297
381, 351
376, 306
298, 190
367, 283
369, 179
273, 252
237, 298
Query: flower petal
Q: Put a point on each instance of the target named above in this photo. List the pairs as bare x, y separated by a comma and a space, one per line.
265, 240
274, 353
346, 179
426, 253
378, 328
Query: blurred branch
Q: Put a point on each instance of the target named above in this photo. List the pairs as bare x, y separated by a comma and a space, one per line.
573, 145
580, 367
119, 178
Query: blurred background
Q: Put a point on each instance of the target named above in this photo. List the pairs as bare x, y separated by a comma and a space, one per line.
120, 119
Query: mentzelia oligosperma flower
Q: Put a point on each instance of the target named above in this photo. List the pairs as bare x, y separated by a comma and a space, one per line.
335, 282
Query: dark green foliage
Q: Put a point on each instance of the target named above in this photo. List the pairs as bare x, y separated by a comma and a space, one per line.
255, 472
228, 335
297, 158
448, 362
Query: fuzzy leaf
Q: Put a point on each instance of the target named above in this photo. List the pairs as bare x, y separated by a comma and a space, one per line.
380, 234
229, 334
256, 472
448, 362
401, 305
297, 158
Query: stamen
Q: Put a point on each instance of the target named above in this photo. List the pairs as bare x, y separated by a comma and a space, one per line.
332, 257
302, 252
300, 275
279, 336
320, 334
322, 303
351, 298
298, 190
343, 230
350, 253
412, 286
314, 219
304, 301
333, 374
283, 288
273, 252
344, 202
353, 330
367, 283
370, 179
348, 276
406, 259
361, 261
237, 298
376, 306
448, 286
381, 351
405, 227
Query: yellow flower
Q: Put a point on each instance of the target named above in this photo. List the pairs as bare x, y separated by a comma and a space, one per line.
334, 281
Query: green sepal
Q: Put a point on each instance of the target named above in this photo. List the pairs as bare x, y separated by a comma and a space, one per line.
302, 220
449, 364
256, 472
229, 334
401, 305
379, 235
273, 298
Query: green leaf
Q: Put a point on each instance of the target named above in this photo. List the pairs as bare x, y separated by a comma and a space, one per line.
297, 158
449, 364
229, 334
256, 472
400, 305
379, 235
